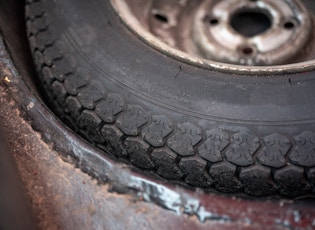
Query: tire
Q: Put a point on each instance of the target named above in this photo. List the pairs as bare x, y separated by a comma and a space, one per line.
205, 128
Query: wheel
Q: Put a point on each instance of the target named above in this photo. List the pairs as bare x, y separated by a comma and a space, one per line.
157, 85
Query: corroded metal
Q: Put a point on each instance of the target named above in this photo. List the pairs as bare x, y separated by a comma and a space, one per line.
13, 200
283, 38
203, 33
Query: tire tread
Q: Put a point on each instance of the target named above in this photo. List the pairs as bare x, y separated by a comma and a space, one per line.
213, 159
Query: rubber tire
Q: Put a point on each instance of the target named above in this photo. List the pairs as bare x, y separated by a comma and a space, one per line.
219, 131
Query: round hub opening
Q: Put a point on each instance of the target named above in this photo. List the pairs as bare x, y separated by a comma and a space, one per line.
250, 22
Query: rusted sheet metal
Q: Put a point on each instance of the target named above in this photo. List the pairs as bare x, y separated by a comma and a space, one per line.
13, 200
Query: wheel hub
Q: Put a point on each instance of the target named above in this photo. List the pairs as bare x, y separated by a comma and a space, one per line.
242, 32
250, 32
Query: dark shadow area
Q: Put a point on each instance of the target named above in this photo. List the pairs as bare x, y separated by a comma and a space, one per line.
250, 23
13, 29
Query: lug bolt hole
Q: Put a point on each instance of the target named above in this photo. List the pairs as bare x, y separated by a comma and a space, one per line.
211, 20
289, 25
160, 17
247, 51
214, 21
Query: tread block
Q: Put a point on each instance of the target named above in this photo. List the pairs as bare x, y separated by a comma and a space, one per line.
59, 92
291, 181
311, 178
113, 140
194, 170
31, 30
165, 161
303, 153
51, 54
90, 94
242, 149
139, 153
34, 9
47, 76
43, 39
73, 106
273, 154
257, 180
132, 119
224, 176
39, 60
28, 14
109, 108
90, 123
39, 24
29, 27
75, 81
216, 141
32, 42
89, 120
186, 137
157, 130
63, 67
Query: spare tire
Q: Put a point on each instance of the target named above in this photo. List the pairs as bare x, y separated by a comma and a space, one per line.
231, 130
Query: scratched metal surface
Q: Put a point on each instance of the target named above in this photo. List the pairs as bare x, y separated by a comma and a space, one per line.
72, 186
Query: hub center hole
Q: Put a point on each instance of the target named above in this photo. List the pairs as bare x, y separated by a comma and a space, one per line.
250, 22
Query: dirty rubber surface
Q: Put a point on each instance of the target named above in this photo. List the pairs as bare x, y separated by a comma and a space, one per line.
64, 196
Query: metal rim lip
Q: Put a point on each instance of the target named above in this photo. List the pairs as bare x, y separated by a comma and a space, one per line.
137, 27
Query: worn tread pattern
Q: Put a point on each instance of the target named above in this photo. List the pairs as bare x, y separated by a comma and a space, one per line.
275, 150
261, 176
220, 159
211, 149
225, 178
